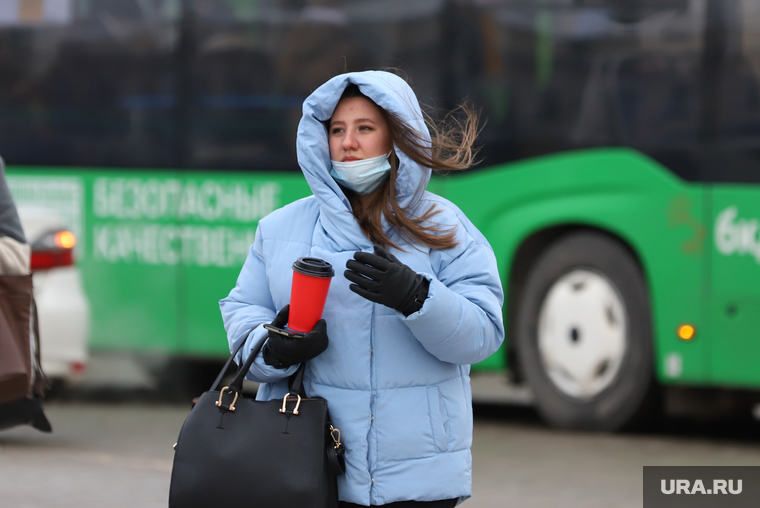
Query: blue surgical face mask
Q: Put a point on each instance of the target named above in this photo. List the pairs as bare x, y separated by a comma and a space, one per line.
362, 176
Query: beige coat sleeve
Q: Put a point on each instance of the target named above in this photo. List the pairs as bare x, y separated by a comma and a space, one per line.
14, 257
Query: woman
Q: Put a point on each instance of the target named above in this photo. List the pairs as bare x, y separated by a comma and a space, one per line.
419, 302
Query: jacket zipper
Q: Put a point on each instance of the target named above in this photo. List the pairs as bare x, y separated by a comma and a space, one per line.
373, 386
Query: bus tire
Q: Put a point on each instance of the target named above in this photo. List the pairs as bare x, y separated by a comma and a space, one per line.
584, 335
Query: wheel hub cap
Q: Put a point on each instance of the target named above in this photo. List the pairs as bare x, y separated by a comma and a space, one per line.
582, 333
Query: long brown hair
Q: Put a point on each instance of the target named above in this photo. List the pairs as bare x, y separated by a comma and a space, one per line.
451, 148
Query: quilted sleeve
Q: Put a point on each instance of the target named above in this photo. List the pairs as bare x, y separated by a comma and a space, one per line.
248, 307
461, 320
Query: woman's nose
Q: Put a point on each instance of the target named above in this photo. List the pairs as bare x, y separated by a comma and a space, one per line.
349, 141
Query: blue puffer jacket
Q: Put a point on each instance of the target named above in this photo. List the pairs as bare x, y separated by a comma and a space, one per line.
398, 387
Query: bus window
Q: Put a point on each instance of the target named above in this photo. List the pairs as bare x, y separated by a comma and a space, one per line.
554, 76
736, 97
95, 90
253, 65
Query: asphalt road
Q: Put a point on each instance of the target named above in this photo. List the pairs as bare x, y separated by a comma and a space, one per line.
118, 454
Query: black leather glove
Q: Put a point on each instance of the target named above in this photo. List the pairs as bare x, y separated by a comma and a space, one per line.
382, 278
281, 351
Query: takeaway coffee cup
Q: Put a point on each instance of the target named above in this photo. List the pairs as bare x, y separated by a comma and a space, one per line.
311, 280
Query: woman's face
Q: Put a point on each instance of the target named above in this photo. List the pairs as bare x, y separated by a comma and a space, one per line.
358, 131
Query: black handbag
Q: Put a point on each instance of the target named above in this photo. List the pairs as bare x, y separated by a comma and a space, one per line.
233, 450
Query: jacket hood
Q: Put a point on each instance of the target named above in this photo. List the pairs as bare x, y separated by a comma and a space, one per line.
391, 93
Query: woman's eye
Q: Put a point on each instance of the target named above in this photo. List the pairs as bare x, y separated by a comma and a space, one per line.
365, 128
336, 130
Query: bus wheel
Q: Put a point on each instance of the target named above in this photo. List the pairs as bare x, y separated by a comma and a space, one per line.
584, 335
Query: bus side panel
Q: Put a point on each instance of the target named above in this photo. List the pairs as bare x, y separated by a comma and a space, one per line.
225, 233
624, 194
157, 250
735, 283
132, 292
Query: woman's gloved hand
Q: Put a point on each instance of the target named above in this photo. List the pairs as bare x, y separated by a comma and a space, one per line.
382, 278
281, 351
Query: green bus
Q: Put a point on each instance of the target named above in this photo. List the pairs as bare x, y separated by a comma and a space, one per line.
618, 184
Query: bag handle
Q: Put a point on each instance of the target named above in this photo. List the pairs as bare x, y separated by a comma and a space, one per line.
295, 383
218, 380
41, 381
237, 383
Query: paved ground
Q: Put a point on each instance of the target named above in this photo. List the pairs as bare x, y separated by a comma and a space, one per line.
99, 455
119, 455
518, 462
112, 448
